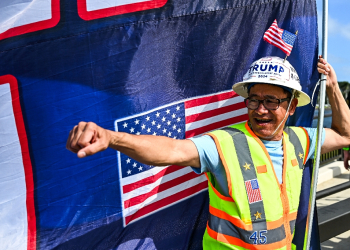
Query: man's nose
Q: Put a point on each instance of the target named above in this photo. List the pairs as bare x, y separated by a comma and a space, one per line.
261, 109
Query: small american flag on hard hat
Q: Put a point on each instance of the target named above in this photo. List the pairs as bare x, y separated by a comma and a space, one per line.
280, 38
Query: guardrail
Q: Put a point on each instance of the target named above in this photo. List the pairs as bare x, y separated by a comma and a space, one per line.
331, 156
333, 219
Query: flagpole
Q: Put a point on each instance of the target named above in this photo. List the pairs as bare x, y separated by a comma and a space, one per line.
316, 166
296, 33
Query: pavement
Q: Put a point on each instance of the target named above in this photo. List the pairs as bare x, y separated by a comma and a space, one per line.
331, 175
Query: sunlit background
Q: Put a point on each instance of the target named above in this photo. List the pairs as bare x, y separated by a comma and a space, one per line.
338, 36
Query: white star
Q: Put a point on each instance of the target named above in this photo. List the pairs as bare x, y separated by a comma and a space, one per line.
174, 137
125, 125
164, 131
128, 172
143, 126
174, 127
168, 111
163, 119
140, 168
158, 126
128, 160
147, 118
132, 130
173, 116
137, 122
169, 122
178, 119
138, 133
177, 108
153, 123
134, 165
154, 133
179, 130
148, 130
169, 134
157, 114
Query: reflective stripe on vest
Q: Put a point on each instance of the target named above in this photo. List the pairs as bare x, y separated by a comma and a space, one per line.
297, 145
226, 227
242, 150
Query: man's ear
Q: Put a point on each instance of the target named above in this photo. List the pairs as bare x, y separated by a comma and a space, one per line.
293, 106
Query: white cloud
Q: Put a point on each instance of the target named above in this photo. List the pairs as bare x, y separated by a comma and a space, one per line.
332, 58
334, 27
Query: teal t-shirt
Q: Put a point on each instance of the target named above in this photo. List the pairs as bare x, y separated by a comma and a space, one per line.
210, 160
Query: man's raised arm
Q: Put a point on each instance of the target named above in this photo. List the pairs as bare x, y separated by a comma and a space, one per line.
87, 138
339, 134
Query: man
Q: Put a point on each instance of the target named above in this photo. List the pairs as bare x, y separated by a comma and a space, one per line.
255, 168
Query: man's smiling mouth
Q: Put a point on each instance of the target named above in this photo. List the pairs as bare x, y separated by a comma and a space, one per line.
262, 121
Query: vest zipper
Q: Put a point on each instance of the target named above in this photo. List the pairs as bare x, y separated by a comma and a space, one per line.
285, 206
285, 201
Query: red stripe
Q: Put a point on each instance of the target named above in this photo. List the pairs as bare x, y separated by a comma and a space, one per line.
279, 40
130, 187
117, 10
216, 125
253, 195
259, 195
40, 25
249, 191
166, 201
209, 99
211, 113
256, 198
31, 241
275, 28
278, 46
160, 188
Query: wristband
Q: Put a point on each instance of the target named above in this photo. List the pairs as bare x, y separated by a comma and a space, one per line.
346, 148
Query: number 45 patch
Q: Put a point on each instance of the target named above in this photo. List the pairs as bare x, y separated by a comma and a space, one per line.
259, 237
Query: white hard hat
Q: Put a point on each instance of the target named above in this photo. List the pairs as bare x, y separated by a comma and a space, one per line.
272, 70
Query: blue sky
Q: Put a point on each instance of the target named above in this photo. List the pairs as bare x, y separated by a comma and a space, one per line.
338, 36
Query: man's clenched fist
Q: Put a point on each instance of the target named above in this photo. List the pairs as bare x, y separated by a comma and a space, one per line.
87, 138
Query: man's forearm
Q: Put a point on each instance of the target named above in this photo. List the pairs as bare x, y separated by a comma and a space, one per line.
87, 138
339, 135
150, 149
340, 111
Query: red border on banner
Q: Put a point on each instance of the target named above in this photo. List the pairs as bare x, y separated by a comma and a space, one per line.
17, 111
118, 10
41, 25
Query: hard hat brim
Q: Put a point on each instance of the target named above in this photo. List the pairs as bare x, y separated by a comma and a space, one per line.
241, 89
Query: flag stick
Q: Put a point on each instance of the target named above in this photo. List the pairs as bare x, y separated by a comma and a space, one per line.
296, 33
316, 166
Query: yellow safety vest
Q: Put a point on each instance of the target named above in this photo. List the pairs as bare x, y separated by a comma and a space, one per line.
260, 212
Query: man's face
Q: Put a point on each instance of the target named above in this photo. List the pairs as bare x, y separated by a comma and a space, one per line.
264, 122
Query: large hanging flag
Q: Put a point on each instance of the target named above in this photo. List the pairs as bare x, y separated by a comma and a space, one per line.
281, 38
116, 63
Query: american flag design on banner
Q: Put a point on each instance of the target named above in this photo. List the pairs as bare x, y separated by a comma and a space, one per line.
146, 189
253, 191
282, 39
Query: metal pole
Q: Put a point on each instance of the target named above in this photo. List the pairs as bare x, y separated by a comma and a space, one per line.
319, 130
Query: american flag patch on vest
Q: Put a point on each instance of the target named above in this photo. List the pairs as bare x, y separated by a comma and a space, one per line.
253, 191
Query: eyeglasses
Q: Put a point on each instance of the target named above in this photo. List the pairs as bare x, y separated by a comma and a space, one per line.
270, 104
